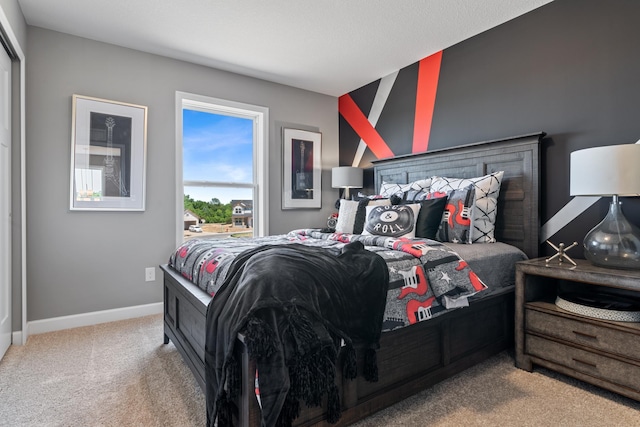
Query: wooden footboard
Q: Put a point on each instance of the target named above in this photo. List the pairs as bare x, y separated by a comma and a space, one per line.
414, 358
185, 313
410, 359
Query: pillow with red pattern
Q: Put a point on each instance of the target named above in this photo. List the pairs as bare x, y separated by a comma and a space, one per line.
455, 224
485, 206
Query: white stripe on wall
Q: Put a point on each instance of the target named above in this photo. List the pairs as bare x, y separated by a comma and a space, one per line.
384, 89
564, 216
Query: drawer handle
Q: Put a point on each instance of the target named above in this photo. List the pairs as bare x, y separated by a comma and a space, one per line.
583, 335
589, 364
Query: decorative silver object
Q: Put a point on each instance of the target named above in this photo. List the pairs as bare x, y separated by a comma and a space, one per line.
561, 252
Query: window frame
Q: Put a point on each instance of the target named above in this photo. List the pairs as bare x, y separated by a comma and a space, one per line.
260, 117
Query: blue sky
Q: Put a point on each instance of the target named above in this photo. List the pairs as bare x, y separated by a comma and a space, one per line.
217, 148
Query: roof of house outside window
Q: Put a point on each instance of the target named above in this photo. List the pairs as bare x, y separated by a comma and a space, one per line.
245, 204
190, 216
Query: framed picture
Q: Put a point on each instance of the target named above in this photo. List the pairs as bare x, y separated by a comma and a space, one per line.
108, 155
302, 169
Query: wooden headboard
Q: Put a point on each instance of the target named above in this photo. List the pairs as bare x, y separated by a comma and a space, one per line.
517, 222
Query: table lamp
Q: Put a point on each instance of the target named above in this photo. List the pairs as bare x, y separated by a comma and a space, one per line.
614, 171
346, 177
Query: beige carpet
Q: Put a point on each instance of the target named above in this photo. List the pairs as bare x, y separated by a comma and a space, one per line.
112, 374
120, 374
496, 393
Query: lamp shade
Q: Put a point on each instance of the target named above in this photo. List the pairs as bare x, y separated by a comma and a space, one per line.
606, 171
346, 177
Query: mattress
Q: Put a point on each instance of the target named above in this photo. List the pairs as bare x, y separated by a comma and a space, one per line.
494, 263
426, 278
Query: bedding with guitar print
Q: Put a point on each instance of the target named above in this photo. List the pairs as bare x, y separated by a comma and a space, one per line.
426, 277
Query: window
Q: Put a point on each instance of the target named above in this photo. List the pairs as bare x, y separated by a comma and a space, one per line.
221, 156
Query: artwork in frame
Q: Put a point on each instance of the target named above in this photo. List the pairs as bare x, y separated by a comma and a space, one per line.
302, 169
108, 155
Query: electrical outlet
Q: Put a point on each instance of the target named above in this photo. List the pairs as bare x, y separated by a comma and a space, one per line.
150, 274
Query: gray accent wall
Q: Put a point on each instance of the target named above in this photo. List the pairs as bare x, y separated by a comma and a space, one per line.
81, 262
569, 68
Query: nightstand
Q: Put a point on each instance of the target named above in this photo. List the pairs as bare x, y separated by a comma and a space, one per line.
601, 352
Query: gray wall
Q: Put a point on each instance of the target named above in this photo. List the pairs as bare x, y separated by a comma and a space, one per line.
81, 262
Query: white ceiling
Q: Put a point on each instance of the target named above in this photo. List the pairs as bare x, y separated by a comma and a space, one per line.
326, 46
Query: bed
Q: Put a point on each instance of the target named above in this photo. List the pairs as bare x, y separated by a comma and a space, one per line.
415, 357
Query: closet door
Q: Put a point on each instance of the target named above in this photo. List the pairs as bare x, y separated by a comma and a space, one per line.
5, 202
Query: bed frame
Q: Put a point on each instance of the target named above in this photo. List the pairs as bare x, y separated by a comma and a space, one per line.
413, 358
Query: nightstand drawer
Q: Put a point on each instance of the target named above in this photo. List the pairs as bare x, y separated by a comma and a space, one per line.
607, 369
598, 337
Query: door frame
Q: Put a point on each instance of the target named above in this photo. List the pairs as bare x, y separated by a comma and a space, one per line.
19, 337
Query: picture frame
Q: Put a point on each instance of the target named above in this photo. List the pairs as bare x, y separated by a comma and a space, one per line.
302, 169
108, 155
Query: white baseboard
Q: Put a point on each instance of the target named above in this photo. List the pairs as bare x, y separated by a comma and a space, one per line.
89, 319
16, 338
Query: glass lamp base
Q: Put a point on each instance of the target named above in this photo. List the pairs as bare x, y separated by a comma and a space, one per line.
615, 242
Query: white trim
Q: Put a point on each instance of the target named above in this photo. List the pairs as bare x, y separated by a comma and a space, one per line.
179, 207
93, 318
260, 117
16, 338
216, 184
23, 182
12, 39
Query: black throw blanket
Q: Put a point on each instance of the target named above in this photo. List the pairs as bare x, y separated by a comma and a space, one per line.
294, 304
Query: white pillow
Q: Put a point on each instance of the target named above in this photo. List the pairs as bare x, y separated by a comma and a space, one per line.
416, 190
392, 221
483, 214
348, 213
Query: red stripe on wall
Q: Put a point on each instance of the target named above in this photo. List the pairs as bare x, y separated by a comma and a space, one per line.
428, 73
353, 115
